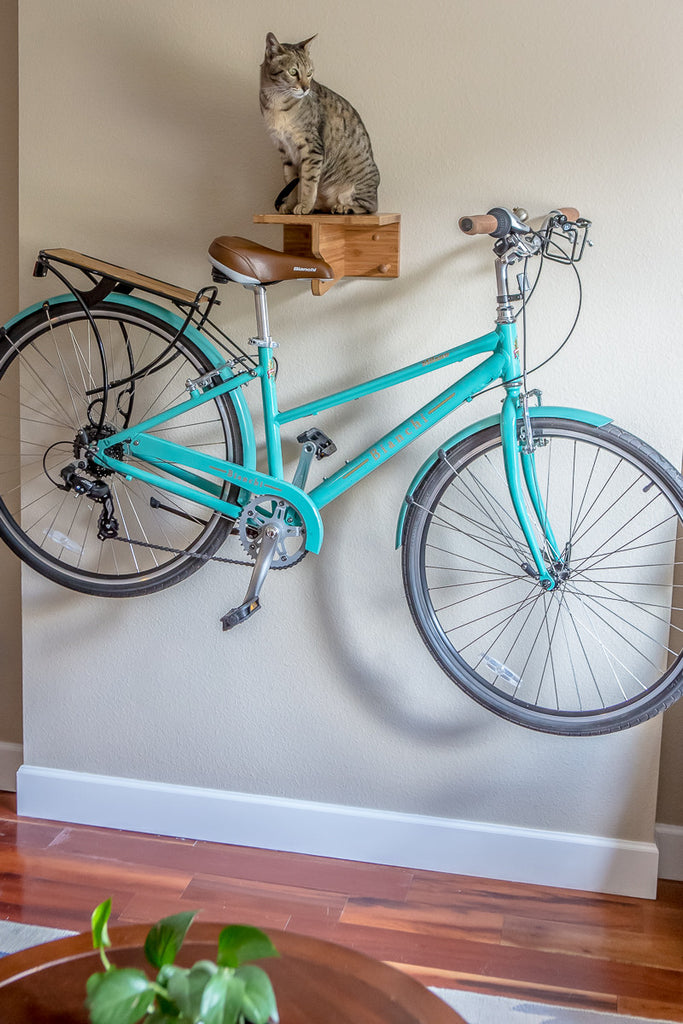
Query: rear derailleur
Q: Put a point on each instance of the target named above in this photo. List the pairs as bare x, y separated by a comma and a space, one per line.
96, 490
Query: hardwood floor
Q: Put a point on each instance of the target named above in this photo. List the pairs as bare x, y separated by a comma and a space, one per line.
614, 953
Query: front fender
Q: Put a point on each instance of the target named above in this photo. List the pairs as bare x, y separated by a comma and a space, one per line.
215, 357
553, 411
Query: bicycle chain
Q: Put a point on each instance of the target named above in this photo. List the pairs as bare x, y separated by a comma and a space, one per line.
195, 554
178, 551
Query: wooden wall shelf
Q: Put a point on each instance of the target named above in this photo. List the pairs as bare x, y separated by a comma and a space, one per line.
355, 245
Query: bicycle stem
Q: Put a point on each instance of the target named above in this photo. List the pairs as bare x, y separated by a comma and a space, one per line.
506, 314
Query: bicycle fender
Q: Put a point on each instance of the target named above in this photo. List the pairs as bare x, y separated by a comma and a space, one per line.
176, 322
557, 412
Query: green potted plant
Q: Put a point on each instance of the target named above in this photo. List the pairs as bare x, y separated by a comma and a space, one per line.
229, 991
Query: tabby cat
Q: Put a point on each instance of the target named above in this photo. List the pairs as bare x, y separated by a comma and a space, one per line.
325, 149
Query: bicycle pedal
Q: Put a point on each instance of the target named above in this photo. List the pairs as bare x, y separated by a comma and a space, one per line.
237, 615
324, 445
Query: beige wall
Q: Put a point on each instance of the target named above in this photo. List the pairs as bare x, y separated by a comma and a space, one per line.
10, 594
140, 141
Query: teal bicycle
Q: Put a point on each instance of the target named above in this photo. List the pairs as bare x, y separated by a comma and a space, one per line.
538, 545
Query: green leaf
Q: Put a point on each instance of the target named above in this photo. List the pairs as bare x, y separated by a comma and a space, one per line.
204, 965
98, 923
240, 942
165, 1005
93, 983
222, 999
177, 983
121, 997
187, 991
167, 971
166, 937
100, 934
258, 1004
184, 988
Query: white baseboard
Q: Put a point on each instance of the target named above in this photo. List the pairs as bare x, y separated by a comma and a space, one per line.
11, 756
381, 837
669, 839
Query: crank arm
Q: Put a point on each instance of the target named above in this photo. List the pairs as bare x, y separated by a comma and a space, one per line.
270, 536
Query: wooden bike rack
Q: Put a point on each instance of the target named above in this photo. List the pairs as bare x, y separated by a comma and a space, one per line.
354, 245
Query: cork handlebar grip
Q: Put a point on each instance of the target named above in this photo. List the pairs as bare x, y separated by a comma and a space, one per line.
570, 212
478, 224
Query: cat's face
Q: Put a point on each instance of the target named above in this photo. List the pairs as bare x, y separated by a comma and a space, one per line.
288, 66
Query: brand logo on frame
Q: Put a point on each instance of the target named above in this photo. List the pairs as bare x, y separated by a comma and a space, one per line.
435, 359
251, 481
416, 424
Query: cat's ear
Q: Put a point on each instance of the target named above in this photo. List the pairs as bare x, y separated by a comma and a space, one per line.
306, 42
272, 46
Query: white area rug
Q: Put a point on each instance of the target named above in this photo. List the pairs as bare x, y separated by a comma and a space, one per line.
472, 1006
14, 937
483, 1009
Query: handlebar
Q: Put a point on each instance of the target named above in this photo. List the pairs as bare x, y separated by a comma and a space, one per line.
500, 222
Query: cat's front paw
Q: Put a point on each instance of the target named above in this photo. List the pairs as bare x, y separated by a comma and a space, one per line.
301, 209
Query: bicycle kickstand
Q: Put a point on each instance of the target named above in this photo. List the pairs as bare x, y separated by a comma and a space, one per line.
270, 536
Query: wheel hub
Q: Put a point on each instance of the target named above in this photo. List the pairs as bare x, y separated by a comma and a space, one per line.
86, 438
559, 569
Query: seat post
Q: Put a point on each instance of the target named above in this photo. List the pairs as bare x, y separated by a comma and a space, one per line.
268, 373
262, 325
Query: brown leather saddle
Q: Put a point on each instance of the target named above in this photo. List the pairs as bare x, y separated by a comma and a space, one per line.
247, 262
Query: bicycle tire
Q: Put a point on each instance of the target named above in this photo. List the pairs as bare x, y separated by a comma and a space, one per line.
598, 653
50, 371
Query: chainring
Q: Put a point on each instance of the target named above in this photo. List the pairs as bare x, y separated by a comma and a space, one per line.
269, 509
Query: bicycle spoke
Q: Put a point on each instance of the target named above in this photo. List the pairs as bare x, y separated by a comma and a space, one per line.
627, 545
568, 647
466, 600
531, 605
580, 520
478, 562
629, 622
492, 509
516, 605
610, 654
440, 521
610, 595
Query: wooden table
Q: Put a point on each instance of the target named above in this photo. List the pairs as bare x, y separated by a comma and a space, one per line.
315, 982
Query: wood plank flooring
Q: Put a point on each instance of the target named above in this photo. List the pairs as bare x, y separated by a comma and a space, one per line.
615, 953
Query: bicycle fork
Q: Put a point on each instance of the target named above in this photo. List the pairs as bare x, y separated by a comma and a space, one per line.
520, 465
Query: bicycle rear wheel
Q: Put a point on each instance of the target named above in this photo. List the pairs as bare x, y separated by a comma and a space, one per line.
599, 652
51, 377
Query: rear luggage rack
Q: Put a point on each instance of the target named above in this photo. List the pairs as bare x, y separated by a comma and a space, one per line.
109, 272
107, 278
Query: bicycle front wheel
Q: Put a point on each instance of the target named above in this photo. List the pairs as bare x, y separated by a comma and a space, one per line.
52, 374
599, 652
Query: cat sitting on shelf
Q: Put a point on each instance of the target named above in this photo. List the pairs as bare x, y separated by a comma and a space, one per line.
325, 148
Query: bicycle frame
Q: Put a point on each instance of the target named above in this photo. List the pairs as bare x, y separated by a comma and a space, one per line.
184, 466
